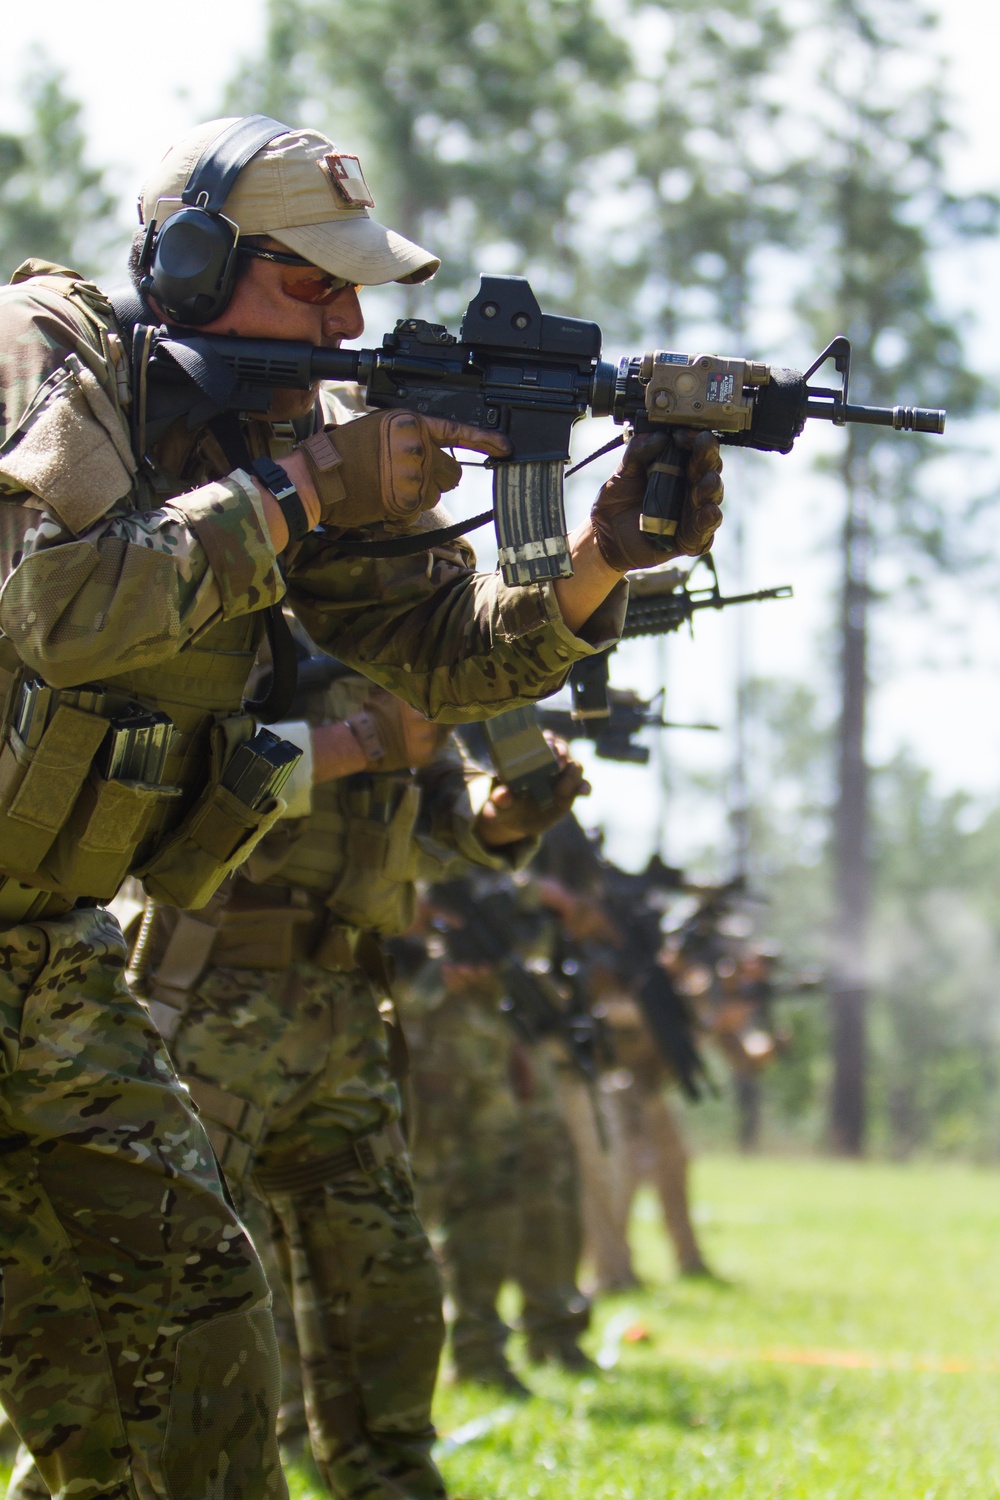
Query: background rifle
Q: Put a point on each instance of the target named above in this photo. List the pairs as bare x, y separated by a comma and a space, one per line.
528, 374
613, 732
660, 602
632, 906
630, 902
491, 925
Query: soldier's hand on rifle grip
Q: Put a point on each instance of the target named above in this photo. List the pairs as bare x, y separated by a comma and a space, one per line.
617, 510
389, 465
510, 816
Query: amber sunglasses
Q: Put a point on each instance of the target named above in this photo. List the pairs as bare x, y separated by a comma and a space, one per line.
318, 289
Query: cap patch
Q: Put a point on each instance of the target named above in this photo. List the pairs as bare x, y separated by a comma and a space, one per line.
349, 180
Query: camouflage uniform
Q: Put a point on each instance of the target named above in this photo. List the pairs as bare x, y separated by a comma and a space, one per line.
550, 1240
496, 1174
129, 1286
644, 1143
288, 1058
467, 1150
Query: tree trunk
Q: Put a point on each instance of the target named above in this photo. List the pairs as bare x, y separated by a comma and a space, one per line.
849, 987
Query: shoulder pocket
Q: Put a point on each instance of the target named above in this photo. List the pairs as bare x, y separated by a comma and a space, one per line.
71, 448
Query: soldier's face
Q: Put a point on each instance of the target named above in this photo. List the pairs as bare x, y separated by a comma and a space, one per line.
261, 308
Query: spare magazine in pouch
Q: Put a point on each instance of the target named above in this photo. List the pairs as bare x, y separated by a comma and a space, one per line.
222, 828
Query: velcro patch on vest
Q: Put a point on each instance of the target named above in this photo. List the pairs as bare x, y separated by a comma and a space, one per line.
71, 448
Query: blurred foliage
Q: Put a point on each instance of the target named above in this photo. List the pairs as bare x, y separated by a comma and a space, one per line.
53, 204
874, 218
877, 117
706, 182
935, 1044
477, 120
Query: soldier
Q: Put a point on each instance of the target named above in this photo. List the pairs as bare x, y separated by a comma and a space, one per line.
282, 1041
136, 577
646, 1144
613, 920
273, 1002
467, 1151
549, 1244
495, 1161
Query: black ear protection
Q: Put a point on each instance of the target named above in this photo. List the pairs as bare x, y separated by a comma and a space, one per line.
189, 265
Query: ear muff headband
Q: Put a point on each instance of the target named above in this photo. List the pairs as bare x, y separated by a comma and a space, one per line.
190, 264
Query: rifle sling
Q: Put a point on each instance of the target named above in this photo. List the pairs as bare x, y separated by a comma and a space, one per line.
421, 541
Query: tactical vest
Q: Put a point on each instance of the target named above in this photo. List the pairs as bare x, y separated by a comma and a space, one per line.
69, 832
319, 889
355, 852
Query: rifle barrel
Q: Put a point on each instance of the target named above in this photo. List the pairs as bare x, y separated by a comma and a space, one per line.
901, 418
649, 615
783, 591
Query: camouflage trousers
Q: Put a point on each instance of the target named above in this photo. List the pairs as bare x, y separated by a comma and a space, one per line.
302, 1054
293, 1427
497, 1178
550, 1228
467, 1145
643, 1143
137, 1355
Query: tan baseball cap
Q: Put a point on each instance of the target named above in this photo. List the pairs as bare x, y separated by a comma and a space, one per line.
300, 189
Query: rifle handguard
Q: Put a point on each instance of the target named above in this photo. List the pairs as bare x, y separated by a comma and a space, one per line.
779, 414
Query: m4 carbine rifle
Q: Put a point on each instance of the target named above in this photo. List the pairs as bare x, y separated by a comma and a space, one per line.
632, 905
528, 374
613, 731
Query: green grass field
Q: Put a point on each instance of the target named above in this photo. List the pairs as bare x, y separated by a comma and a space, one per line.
854, 1352
851, 1354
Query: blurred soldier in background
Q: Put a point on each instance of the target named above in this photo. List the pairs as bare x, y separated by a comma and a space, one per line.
466, 1149
730, 982
496, 1166
613, 922
747, 1035
549, 1245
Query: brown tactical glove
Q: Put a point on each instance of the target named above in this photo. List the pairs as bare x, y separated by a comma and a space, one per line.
393, 735
615, 516
389, 465
510, 816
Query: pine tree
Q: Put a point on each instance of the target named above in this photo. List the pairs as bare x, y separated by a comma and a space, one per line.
708, 189
878, 208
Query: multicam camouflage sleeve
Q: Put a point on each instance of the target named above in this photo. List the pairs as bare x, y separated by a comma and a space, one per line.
454, 643
91, 585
